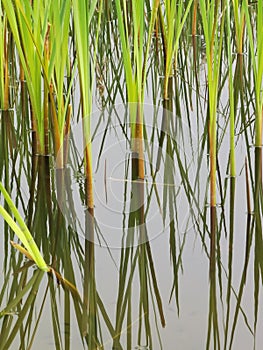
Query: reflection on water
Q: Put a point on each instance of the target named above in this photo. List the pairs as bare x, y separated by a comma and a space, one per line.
144, 275
118, 192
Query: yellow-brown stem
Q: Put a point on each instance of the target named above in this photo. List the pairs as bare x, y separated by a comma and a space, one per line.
6, 78
22, 83
35, 135
247, 188
157, 37
258, 136
139, 142
66, 135
21, 73
46, 129
212, 153
212, 180
212, 242
194, 18
88, 178
240, 40
165, 91
56, 134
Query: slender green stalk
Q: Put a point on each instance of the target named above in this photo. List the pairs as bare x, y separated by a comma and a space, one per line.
83, 12
2, 58
59, 17
213, 38
239, 18
46, 90
4, 78
135, 70
256, 51
42, 44
231, 96
173, 19
232, 172
29, 37
213, 22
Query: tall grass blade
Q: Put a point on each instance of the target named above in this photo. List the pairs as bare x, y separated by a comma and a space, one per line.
22, 230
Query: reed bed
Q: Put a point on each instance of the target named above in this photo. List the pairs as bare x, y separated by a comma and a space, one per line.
202, 61
4, 74
43, 49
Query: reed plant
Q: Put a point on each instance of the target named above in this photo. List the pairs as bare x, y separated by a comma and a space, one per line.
213, 24
82, 14
232, 164
4, 75
41, 34
135, 51
256, 52
42, 45
231, 89
56, 63
212, 21
29, 36
239, 26
239, 19
173, 15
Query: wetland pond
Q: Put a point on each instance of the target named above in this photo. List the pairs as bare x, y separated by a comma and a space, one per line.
138, 172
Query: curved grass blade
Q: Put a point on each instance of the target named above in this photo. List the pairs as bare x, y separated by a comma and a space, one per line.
22, 230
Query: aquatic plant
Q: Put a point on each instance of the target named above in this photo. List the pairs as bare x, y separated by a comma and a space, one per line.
213, 23
4, 75
57, 65
30, 248
53, 56
135, 59
231, 92
29, 37
173, 15
83, 13
256, 52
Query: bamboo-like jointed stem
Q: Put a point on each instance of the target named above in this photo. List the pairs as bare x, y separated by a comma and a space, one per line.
139, 142
66, 136
6, 79
194, 18
213, 50
212, 155
88, 178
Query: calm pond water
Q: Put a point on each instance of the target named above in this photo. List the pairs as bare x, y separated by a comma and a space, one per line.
140, 272
168, 269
